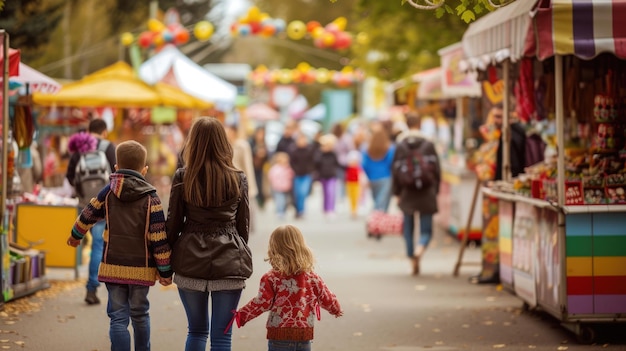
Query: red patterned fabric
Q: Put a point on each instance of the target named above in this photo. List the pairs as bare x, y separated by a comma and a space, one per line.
379, 223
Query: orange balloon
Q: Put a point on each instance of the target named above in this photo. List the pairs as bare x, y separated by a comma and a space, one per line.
328, 39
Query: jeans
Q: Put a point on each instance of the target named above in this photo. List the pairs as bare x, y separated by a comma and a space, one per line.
329, 187
128, 301
97, 246
288, 345
280, 202
301, 189
196, 305
381, 192
426, 231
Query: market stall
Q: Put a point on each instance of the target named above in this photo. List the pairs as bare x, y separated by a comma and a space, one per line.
457, 178
561, 239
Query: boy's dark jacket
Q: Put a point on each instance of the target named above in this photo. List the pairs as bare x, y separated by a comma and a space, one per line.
135, 241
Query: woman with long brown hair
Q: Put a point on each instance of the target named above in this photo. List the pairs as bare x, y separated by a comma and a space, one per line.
207, 227
376, 163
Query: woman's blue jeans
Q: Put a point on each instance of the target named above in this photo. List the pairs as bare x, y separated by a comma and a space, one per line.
408, 228
200, 326
287, 345
97, 246
301, 189
381, 192
126, 302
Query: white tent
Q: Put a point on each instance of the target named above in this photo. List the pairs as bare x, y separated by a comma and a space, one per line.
36, 80
173, 67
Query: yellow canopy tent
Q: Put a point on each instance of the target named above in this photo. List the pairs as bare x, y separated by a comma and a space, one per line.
117, 86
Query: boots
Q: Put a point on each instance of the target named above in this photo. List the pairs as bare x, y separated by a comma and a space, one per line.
91, 298
415, 260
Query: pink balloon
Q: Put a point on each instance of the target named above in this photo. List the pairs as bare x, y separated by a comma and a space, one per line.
333, 28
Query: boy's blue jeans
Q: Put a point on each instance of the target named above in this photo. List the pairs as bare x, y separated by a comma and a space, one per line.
196, 305
408, 228
126, 302
280, 202
97, 246
287, 345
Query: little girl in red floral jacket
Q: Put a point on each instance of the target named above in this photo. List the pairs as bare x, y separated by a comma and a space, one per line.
291, 292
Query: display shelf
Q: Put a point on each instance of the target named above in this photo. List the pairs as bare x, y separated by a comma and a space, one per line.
29, 287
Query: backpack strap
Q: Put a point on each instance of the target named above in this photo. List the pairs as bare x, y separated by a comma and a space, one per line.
103, 145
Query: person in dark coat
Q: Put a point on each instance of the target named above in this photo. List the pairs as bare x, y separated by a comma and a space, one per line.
410, 199
517, 153
327, 166
302, 159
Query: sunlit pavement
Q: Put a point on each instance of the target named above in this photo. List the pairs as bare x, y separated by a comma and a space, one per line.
385, 307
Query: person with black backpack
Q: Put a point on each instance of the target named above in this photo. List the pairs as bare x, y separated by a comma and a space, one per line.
416, 175
88, 170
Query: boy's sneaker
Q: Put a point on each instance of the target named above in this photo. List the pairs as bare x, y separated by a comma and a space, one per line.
91, 298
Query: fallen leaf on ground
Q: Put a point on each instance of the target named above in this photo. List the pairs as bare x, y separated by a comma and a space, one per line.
499, 346
358, 334
20, 343
562, 348
436, 330
532, 346
417, 325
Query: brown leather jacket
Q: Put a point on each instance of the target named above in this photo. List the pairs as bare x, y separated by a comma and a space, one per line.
209, 243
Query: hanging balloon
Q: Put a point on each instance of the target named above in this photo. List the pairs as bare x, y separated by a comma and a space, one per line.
254, 14
284, 76
244, 30
296, 30
168, 36
203, 30
341, 23
155, 26
333, 28
318, 32
312, 25
328, 39
343, 40
158, 40
255, 27
181, 36
145, 39
296, 76
303, 67
362, 38
280, 25
127, 39
268, 30
323, 75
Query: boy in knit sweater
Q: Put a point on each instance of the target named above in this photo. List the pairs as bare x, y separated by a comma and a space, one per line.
291, 291
136, 250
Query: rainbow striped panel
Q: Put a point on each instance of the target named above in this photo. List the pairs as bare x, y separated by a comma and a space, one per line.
596, 263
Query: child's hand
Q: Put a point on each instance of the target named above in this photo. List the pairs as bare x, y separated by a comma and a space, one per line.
339, 314
71, 241
165, 281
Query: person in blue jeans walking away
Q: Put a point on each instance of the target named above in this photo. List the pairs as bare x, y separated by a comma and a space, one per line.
292, 293
136, 248
411, 199
376, 163
208, 229
98, 132
302, 160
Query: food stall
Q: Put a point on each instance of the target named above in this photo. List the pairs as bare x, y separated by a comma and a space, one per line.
457, 178
562, 246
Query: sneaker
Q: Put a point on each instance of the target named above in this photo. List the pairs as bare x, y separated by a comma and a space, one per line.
91, 298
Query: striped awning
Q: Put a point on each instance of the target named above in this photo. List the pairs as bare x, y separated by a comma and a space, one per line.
584, 28
499, 35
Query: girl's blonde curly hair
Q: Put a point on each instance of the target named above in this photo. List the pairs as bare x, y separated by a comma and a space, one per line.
288, 252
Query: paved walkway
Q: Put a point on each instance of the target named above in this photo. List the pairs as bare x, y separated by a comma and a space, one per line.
385, 307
